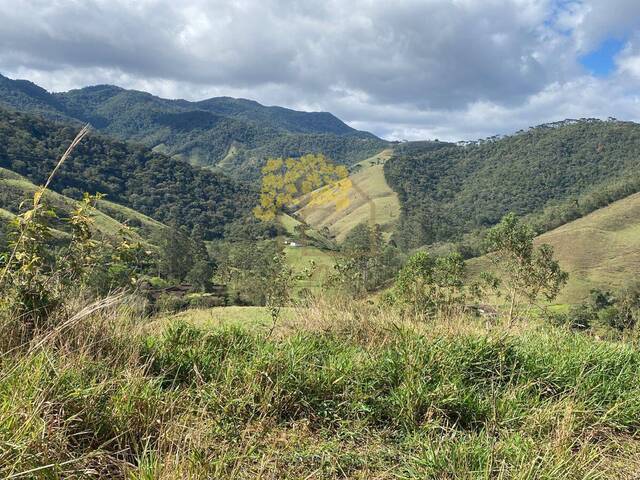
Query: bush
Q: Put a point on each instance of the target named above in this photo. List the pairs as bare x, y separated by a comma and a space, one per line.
619, 312
171, 303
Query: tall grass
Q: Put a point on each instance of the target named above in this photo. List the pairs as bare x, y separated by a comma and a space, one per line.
356, 393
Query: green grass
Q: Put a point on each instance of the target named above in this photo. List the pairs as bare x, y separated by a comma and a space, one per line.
289, 223
109, 218
300, 258
249, 318
600, 250
375, 201
348, 393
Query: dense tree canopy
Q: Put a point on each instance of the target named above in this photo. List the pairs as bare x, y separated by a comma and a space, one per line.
236, 135
552, 173
168, 190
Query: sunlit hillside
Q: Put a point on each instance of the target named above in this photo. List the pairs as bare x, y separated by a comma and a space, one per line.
367, 198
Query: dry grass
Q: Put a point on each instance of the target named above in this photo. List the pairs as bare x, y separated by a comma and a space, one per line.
340, 390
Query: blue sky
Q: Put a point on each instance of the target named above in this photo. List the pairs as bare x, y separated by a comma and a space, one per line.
601, 62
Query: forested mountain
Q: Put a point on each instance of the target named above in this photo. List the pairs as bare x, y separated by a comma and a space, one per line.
552, 173
233, 134
166, 189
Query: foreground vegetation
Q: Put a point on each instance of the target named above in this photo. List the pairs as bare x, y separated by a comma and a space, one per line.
335, 392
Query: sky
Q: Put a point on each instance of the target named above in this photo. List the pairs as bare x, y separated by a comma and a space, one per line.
402, 69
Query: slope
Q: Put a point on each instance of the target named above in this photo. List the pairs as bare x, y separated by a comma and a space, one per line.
600, 250
553, 173
109, 219
165, 189
367, 198
234, 134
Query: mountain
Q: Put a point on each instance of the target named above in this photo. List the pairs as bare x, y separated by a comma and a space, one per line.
551, 174
236, 135
165, 189
26, 96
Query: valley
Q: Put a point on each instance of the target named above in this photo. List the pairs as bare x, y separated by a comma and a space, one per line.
353, 332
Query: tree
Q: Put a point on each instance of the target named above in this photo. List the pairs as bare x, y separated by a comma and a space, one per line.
175, 258
366, 261
203, 266
258, 274
526, 272
428, 284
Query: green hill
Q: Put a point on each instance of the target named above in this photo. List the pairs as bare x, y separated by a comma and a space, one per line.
553, 174
600, 250
234, 134
110, 219
165, 189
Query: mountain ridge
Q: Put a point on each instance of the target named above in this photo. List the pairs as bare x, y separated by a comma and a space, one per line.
168, 190
242, 132
548, 174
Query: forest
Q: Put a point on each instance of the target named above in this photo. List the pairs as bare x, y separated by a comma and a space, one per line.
551, 173
168, 190
236, 135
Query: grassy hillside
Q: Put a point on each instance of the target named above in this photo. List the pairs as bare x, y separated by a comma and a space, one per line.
165, 189
368, 199
553, 173
599, 250
110, 219
315, 248
234, 134
301, 258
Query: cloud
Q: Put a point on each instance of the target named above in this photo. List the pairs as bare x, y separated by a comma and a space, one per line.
404, 69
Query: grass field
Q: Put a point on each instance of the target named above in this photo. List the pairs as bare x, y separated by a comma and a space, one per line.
600, 250
249, 318
301, 257
370, 199
336, 391
5, 214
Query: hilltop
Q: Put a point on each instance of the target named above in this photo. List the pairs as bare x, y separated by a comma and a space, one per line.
236, 135
553, 174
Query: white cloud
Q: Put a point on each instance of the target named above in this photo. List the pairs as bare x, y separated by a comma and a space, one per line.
405, 69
